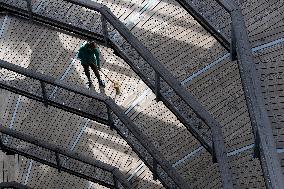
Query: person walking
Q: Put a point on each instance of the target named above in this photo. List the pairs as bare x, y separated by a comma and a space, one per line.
90, 57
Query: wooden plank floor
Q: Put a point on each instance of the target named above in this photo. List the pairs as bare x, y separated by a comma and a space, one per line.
184, 47
50, 55
270, 68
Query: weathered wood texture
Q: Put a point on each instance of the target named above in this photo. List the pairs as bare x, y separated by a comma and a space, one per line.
263, 19
184, 47
270, 69
52, 55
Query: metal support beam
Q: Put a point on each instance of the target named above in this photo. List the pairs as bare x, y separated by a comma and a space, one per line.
214, 158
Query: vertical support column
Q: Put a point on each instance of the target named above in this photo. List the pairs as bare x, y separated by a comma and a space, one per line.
44, 95
155, 166
261, 124
30, 8
214, 158
104, 28
115, 182
233, 46
256, 151
110, 119
219, 151
58, 161
17, 166
157, 86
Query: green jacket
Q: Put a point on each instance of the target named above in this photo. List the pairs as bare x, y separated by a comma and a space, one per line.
89, 56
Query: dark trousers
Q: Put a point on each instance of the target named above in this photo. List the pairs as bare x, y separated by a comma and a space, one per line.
95, 70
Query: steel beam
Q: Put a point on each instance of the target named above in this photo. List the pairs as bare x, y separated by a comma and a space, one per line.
111, 105
206, 24
67, 153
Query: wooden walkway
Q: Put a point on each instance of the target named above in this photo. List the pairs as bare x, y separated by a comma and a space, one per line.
184, 47
270, 67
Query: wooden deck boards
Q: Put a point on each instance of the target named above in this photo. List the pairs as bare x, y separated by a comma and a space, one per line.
183, 47
270, 64
57, 126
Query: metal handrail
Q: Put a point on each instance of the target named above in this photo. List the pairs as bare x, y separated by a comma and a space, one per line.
261, 125
216, 147
112, 107
265, 148
86, 34
117, 176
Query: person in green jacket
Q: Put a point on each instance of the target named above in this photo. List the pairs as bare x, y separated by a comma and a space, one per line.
90, 57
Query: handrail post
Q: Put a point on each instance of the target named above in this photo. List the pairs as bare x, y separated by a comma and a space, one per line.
110, 118
219, 151
233, 46
4, 149
30, 8
115, 182
157, 86
2, 146
155, 173
256, 150
214, 158
104, 29
58, 161
261, 125
44, 95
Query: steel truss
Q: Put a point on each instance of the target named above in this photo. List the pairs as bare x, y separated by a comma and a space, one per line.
265, 148
214, 146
